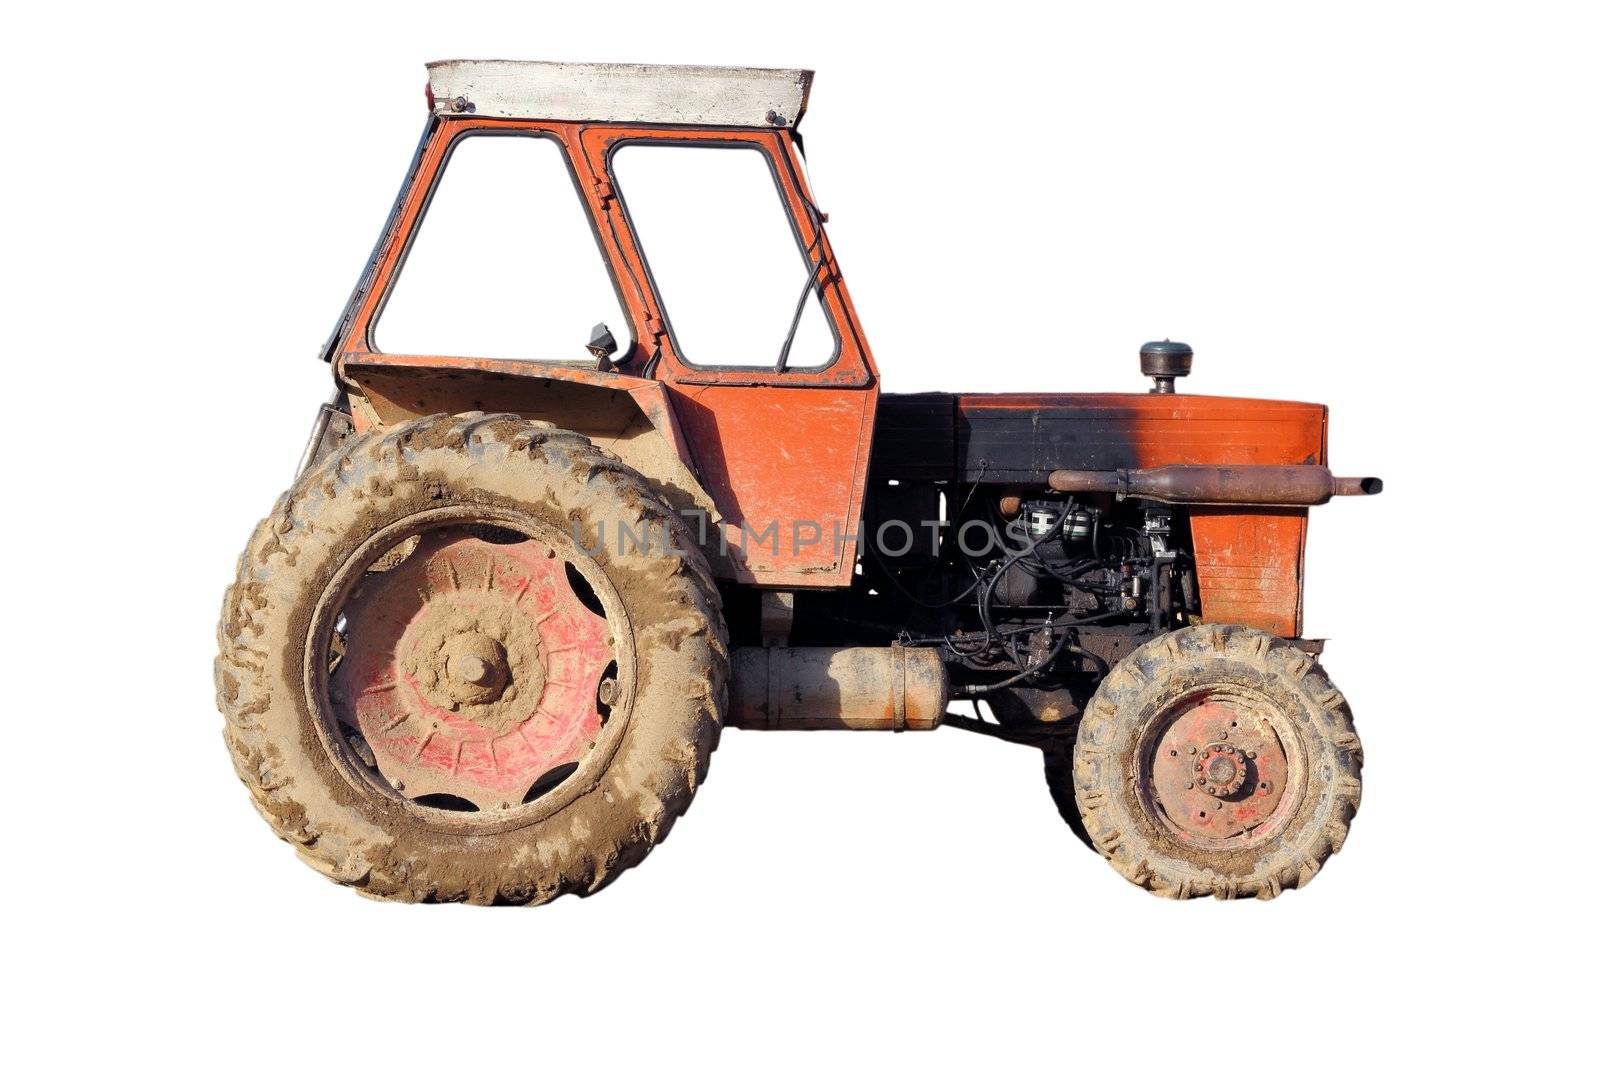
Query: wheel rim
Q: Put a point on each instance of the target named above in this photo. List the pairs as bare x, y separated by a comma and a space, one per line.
1221, 769
471, 667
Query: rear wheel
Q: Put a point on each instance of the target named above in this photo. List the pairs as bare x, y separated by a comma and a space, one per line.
444, 678
1217, 761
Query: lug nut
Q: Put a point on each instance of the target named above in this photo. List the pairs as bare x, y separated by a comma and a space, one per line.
1192, 750
1217, 805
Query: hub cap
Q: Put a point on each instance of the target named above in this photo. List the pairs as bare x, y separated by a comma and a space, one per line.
472, 671
1218, 771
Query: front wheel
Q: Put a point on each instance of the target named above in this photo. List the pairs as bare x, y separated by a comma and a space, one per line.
1217, 761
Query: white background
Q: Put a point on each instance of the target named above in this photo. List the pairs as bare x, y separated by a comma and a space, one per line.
1387, 207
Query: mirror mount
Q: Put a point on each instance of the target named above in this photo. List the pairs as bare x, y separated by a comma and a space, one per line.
603, 347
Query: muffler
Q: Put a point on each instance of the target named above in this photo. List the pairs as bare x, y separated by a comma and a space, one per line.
1265, 485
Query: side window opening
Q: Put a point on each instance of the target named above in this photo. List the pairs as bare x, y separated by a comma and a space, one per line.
504, 263
727, 264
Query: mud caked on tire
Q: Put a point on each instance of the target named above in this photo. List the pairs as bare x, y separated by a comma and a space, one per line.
445, 676
1217, 760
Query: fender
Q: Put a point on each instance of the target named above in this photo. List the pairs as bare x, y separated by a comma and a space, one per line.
628, 416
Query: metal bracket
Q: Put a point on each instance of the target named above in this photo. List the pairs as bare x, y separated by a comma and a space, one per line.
777, 618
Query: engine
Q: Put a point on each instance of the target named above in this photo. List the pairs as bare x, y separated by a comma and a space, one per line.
1021, 593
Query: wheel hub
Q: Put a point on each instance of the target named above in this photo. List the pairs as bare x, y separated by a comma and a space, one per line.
1217, 770
472, 670
1221, 770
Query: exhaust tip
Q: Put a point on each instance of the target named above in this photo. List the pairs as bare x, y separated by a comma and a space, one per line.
1357, 486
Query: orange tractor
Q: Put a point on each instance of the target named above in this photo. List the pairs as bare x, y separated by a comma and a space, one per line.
483, 648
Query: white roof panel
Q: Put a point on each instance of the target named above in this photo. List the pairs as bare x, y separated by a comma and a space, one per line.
619, 92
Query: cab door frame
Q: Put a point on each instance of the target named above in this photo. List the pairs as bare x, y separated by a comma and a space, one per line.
783, 453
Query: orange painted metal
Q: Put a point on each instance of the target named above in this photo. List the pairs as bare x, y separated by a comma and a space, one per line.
1156, 429
1248, 560
650, 396
1249, 563
792, 449
783, 455
788, 449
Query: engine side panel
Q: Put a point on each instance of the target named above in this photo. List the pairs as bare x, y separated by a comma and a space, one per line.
1248, 560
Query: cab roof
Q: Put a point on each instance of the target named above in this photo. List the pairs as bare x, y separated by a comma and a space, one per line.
619, 92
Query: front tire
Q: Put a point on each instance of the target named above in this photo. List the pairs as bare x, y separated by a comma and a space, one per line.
1217, 761
436, 693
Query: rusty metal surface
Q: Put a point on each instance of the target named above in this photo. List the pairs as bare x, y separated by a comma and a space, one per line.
837, 689
619, 92
1266, 485
1248, 564
721, 432
1022, 437
1217, 772
718, 428
472, 670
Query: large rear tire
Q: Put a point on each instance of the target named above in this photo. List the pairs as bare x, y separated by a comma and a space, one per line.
1217, 761
436, 692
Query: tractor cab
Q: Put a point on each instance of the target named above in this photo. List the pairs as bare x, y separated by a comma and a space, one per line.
670, 205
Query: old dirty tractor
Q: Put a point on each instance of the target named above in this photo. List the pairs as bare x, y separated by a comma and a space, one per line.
483, 648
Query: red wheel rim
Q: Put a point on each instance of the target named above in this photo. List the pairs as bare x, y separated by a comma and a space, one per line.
476, 673
1220, 770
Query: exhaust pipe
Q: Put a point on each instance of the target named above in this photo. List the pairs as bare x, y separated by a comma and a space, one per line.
837, 689
1264, 486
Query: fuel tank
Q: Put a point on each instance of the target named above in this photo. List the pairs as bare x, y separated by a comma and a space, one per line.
862, 688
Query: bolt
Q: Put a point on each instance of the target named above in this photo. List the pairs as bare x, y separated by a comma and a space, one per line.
1211, 789
1192, 750
1174, 752
1266, 787
1224, 735
1217, 804
608, 690
472, 669
1199, 766
1227, 748
1249, 755
1188, 785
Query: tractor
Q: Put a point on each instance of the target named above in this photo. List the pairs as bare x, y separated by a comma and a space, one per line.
483, 648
